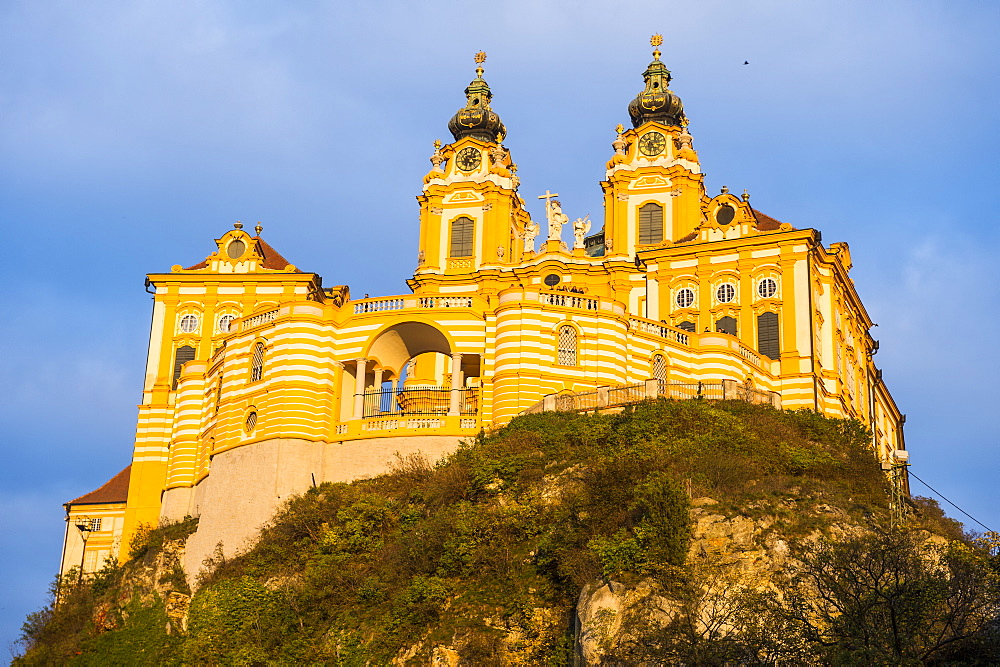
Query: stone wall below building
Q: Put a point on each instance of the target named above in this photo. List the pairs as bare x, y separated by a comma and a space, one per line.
248, 485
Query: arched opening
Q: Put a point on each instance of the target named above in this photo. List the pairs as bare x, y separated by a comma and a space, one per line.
411, 369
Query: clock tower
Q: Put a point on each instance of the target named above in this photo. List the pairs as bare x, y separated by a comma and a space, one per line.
471, 217
654, 188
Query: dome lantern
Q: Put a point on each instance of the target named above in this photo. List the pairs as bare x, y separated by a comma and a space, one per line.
656, 102
476, 119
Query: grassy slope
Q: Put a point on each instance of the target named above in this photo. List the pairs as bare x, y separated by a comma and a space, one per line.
495, 542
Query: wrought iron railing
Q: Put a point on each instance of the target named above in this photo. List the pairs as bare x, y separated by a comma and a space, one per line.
611, 397
382, 403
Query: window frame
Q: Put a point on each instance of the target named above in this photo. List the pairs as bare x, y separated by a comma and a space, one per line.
566, 355
462, 247
647, 224
257, 361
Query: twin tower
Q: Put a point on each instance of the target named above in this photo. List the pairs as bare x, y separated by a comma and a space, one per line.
262, 381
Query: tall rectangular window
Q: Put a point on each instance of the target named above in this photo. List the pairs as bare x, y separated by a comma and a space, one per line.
461, 237
650, 224
767, 335
184, 354
566, 351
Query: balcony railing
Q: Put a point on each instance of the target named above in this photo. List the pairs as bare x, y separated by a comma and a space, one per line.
568, 301
404, 402
657, 329
259, 319
612, 397
403, 302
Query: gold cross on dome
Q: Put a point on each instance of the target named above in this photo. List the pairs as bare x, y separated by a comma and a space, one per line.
656, 40
481, 57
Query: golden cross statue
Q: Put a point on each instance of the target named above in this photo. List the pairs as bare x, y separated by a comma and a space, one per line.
481, 57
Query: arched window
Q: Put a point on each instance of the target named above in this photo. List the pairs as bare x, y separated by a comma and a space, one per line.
184, 354
461, 237
650, 224
257, 363
767, 336
566, 346
727, 325
686, 326
218, 394
250, 423
660, 369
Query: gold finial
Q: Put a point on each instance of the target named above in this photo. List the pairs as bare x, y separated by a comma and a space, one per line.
259, 228
481, 57
437, 144
238, 225
655, 42
620, 128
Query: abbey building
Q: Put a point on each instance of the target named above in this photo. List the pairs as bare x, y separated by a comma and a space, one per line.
261, 381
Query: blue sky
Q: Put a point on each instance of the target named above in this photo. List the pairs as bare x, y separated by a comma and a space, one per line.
134, 133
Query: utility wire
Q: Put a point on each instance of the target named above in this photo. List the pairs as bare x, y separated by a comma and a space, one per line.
933, 490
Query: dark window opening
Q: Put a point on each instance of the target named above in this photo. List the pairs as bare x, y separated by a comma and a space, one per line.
767, 335
650, 224
461, 237
184, 354
727, 325
686, 326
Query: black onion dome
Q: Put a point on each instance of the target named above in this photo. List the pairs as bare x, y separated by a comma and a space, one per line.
656, 102
476, 119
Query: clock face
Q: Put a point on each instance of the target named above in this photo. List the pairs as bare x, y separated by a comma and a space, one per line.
468, 159
652, 143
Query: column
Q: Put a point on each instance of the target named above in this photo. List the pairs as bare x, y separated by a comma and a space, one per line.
359, 387
457, 381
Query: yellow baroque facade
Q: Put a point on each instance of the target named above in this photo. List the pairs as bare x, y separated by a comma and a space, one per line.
262, 382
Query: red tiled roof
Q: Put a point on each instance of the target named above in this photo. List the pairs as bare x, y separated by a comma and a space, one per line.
272, 258
765, 223
115, 490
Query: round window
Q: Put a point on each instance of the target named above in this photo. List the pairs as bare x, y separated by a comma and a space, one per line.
236, 249
225, 322
725, 214
685, 297
251, 422
189, 323
725, 293
767, 288
552, 280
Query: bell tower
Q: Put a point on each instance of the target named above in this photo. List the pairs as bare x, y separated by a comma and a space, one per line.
654, 186
471, 216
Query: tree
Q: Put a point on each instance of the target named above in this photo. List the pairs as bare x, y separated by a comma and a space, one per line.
896, 597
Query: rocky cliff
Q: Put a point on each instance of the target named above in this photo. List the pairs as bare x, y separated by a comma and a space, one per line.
687, 532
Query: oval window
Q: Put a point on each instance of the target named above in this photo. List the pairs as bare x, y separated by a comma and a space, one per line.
685, 297
725, 214
552, 280
725, 293
189, 324
225, 322
251, 422
767, 288
236, 249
